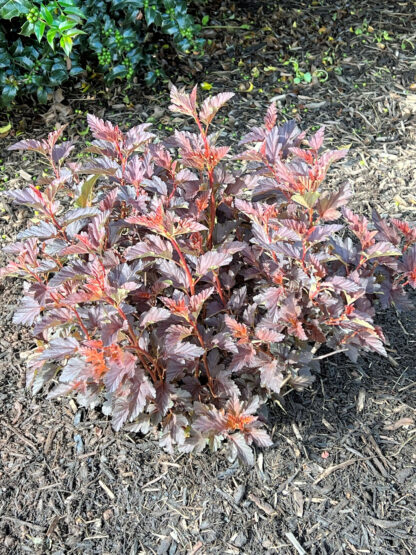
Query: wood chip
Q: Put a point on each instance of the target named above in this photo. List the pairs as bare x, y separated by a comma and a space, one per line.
298, 502
334, 468
399, 424
107, 490
263, 505
361, 400
295, 543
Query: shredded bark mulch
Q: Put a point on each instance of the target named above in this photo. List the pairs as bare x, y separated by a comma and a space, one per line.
341, 476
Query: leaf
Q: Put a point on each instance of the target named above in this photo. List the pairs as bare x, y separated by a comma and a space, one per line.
188, 225
211, 105
182, 102
101, 129
271, 377
153, 316
43, 230
27, 312
271, 116
4, 131
342, 284
329, 202
39, 29
78, 214
260, 437
66, 44
380, 249
317, 140
197, 301
29, 144
269, 336
175, 334
308, 199
119, 368
239, 331
153, 246
322, 232
243, 451
50, 36
186, 350
84, 198
72, 370
59, 348
212, 260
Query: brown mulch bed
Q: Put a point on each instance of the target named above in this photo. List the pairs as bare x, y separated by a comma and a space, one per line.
341, 476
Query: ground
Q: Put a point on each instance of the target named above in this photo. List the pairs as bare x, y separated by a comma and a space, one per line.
340, 477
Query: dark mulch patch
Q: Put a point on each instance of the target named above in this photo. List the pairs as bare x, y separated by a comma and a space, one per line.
341, 476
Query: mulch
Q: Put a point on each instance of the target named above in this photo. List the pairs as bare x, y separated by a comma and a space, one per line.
340, 477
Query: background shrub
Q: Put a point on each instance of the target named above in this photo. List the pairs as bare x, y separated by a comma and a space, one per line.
180, 290
43, 44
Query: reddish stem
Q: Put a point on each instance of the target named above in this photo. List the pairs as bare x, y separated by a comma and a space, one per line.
184, 265
219, 289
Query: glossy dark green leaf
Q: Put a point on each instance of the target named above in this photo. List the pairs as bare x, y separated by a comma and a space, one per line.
39, 29
8, 93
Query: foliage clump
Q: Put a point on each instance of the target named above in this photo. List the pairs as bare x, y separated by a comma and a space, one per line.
43, 44
181, 289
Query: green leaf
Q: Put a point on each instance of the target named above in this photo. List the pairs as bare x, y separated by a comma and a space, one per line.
13, 9
75, 11
308, 199
307, 77
74, 33
50, 35
118, 72
27, 29
47, 15
8, 93
205, 20
42, 95
25, 61
84, 198
150, 15
39, 29
5, 129
66, 44
65, 25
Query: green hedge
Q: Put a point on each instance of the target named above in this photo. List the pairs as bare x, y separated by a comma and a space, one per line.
44, 44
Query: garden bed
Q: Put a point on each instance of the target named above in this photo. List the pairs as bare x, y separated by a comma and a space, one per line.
340, 477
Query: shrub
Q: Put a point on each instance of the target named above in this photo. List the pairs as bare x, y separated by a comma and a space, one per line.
42, 44
30, 65
181, 290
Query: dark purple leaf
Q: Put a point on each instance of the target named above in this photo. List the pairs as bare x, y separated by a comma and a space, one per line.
59, 348
212, 260
43, 230
271, 376
27, 312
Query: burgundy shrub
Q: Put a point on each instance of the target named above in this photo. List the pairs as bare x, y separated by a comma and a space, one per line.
181, 288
